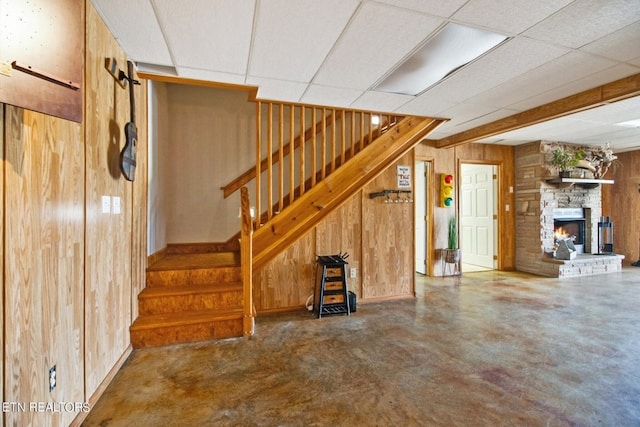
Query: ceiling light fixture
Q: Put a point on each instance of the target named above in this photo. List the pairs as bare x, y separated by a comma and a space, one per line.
448, 51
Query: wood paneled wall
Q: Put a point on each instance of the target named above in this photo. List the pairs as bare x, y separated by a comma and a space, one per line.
378, 238
621, 201
112, 240
71, 272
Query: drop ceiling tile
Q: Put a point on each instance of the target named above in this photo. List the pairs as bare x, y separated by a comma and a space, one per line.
511, 59
512, 17
277, 90
432, 7
205, 34
546, 78
450, 128
364, 54
133, 24
602, 77
622, 45
425, 106
616, 112
330, 96
292, 39
462, 113
380, 101
585, 21
212, 76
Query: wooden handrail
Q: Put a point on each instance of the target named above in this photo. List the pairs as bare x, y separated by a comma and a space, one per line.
246, 263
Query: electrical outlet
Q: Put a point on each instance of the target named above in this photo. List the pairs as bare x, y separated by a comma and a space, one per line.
353, 273
52, 378
116, 205
106, 204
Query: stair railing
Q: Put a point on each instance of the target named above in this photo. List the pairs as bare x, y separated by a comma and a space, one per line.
246, 263
305, 156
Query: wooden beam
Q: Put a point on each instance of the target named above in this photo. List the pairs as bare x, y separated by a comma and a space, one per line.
618, 90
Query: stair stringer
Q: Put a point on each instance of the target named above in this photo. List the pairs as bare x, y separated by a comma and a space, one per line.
282, 230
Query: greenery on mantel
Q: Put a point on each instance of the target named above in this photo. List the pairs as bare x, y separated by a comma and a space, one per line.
564, 159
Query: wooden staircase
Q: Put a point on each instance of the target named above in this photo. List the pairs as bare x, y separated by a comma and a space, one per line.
193, 297
190, 297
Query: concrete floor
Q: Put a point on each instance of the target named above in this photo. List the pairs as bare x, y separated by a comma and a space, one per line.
487, 349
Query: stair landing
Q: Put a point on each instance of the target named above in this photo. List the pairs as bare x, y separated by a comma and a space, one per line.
190, 297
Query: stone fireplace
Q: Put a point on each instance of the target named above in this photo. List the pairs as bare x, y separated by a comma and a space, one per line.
543, 205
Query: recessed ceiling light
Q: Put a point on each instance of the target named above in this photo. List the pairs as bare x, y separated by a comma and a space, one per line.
449, 50
630, 124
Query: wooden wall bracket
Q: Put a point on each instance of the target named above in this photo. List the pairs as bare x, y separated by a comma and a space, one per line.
112, 67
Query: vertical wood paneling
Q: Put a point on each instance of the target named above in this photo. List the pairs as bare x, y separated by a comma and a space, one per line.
621, 201
108, 292
387, 240
341, 232
44, 235
287, 281
2, 227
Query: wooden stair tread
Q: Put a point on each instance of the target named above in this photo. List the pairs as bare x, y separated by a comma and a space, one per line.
164, 320
168, 291
196, 261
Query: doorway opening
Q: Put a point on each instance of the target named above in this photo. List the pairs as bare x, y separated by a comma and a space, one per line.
421, 205
479, 216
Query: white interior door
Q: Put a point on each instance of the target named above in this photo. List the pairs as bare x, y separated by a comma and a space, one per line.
477, 214
420, 202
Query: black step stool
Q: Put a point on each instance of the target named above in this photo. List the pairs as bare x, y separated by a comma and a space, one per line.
331, 294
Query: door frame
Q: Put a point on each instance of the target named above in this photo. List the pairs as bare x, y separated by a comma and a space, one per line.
497, 196
430, 201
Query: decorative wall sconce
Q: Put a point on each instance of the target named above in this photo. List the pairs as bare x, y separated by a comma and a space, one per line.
393, 196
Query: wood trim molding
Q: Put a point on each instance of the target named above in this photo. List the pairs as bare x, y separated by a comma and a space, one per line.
618, 90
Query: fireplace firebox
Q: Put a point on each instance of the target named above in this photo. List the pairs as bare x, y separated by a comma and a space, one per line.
570, 223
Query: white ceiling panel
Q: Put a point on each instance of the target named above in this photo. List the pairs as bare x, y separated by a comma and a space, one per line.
277, 90
449, 128
425, 106
581, 84
293, 38
208, 75
330, 96
506, 62
369, 52
133, 24
546, 78
585, 21
380, 101
433, 7
623, 45
208, 34
512, 17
